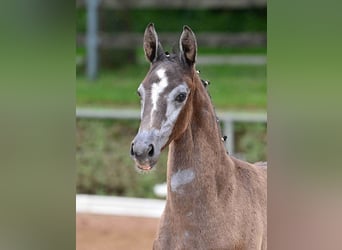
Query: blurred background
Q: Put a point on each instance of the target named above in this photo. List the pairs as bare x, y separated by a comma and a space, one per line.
37, 110
110, 65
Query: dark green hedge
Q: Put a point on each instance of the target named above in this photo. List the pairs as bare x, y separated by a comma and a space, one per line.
104, 165
173, 20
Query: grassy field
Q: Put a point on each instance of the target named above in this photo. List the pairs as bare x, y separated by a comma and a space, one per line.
232, 87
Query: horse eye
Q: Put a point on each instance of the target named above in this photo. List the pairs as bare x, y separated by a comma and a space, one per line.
138, 93
181, 97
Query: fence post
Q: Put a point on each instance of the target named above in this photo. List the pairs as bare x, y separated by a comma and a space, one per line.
228, 130
91, 39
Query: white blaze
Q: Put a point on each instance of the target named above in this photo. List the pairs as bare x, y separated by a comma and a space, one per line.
142, 93
157, 88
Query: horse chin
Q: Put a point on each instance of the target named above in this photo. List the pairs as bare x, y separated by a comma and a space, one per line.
146, 167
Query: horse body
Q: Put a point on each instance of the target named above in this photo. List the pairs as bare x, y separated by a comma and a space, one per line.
219, 204
214, 201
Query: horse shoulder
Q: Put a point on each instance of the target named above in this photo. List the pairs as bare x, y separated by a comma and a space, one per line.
251, 200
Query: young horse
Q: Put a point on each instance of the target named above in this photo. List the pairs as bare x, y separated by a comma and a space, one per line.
214, 201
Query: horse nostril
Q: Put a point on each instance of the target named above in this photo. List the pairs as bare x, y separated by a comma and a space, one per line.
141, 151
150, 150
132, 152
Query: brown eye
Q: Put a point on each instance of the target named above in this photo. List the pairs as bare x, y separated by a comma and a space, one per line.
181, 97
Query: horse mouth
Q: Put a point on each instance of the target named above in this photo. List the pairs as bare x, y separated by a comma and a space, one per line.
144, 167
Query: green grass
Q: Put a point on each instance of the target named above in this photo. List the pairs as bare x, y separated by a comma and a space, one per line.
232, 87
116, 88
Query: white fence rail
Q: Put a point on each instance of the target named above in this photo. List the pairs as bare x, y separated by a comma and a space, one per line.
123, 206
227, 118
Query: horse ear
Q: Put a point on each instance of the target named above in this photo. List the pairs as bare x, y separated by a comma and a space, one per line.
188, 45
152, 47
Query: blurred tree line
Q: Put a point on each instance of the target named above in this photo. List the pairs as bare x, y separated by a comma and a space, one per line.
168, 20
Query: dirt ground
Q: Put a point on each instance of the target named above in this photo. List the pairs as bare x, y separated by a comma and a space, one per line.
107, 232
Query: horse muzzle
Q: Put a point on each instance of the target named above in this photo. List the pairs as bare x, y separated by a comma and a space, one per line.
144, 151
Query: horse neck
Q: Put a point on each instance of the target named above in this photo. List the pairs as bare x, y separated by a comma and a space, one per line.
199, 150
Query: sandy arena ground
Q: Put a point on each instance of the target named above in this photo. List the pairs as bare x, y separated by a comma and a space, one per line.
108, 232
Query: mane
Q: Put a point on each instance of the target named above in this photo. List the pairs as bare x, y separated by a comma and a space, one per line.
206, 83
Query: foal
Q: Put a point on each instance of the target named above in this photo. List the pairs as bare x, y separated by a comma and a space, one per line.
214, 201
